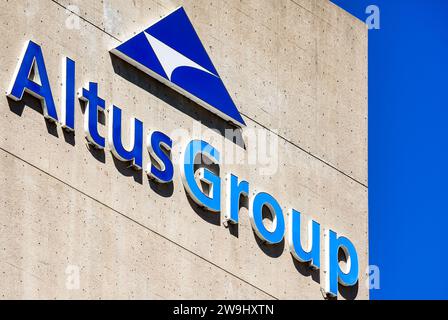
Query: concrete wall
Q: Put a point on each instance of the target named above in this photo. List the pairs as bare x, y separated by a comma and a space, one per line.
297, 70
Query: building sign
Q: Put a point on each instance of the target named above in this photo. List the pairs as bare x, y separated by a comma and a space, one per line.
171, 52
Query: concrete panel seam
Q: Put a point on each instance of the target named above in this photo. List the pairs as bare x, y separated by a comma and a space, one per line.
306, 9
86, 20
308, 152
138, 223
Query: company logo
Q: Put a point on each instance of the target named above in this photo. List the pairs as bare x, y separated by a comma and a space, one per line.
193, 66
171, 52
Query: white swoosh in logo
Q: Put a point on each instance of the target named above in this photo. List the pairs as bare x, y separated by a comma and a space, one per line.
170, 59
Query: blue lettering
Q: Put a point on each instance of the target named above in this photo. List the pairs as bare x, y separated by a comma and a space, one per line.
312, 252
94, 104
235, 190
334, 273
163, 172
135, 154
200, 182
32, 61
195, 149
68, 95
275, 233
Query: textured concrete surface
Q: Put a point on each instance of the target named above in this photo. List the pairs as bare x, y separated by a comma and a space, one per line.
297, 68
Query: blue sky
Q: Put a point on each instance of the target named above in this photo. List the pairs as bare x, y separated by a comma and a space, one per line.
408, 146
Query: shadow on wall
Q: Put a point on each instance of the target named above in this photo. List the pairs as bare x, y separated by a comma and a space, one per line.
210, 217
202, 161
306, 270
234, 228
176, 100
33, 103
165, 190
349, 293
271, 250
97, 153
127, 170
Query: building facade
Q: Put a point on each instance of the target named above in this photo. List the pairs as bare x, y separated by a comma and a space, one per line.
77, 222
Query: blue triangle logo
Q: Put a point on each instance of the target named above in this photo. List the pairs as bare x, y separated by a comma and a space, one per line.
171, 51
